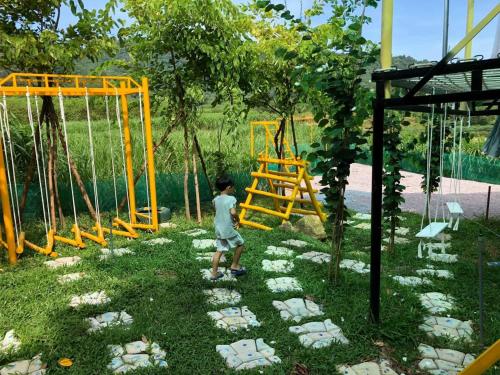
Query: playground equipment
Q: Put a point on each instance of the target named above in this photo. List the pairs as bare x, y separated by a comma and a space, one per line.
47, 86
285, 175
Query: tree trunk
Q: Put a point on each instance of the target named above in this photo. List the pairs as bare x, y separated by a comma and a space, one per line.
203, 165
338, 230
57, 198
186, 169
392, 234
196, 187
51, 143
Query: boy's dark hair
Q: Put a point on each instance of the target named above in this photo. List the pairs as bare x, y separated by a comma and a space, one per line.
223, 182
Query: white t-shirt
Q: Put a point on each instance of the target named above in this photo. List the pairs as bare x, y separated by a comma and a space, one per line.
224, 226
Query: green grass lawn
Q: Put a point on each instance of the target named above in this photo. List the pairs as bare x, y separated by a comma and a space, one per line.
162, 289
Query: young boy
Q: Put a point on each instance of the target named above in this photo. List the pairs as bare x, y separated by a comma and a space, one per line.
226, 220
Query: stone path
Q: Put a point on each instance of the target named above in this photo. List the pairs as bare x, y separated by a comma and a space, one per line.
108, 253
362, 216
207, 274
203, 244
412, 280
398, 240
109, 319
319, 334
10, 343
442, 361
363, 226
315, 256
280, 265
279, 251
134, 355
284, 284
296, 243
234, 318
208, 256
158, 241
221, 296
195, 232
297, 308
436, 302
445, 258
454, 329
33, 366
63, 279
355, 265
367, 368
430, 271
247, 354
95, 298
63, 262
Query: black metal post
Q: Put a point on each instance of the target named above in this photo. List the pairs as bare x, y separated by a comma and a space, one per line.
376, 204
488, 204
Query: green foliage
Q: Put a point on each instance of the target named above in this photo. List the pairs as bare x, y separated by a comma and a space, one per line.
393, 189
31, 39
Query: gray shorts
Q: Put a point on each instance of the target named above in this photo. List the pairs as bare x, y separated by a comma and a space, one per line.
224, 245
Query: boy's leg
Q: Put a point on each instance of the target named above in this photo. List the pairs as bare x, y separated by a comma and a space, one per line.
215, 262
236, 258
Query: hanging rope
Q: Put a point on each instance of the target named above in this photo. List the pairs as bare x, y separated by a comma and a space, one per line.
92, 159
11, 171
42, 154
427, 210
144, 153
119, 120
63, 118
112, 153
32, 127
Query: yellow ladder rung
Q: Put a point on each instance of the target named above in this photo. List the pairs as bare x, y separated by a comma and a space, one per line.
291, 187
255, 225
299, 163
300, 211
289, 174
274, 177
264, 210
268, 194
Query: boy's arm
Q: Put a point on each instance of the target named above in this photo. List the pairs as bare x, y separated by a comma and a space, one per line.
235, 217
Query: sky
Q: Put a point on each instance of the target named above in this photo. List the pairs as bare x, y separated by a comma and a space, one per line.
417, 28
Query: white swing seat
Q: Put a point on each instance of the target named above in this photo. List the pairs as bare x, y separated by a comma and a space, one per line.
432, 230
454, 208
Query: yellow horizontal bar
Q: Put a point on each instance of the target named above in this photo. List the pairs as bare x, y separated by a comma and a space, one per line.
486, 360
143, 215
300, 163
274, 177
301, 188
120, 233
69, 241
66, 91
92, 237
264, 123
263, 210
142, 226
126, 226
268, 194
44, 77
38, 249
289, 174
255, 225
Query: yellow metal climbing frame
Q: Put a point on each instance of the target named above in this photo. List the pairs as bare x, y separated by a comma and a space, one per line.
485, 361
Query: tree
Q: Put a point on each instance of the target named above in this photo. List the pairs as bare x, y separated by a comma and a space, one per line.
188, 48
32, 41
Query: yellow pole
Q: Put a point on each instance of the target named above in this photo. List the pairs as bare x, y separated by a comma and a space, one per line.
386, 40
6, 209
470, 25
128, 155
251, 141
150, 154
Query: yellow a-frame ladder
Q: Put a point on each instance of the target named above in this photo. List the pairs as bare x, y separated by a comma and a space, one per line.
288, 183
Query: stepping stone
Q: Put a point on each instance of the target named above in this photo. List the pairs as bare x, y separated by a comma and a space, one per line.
316, 257
444, 237
398, 240
280, 265
234, 318
207, 273
63, 262
33, 366
297, 308
10, 343
442, 274
108, 253
168, 225
454, 329
319, 334
95, 298
284, 284
203, 244
209, 256
134, 355
361, 216
400, 231
367, 368
71, 277
195, 232
278, 251
412, 280
363, 226
109, 319
355, 265
247, 354
221, 296
157, 241
445, 258
436, 302
296, 243
443, 361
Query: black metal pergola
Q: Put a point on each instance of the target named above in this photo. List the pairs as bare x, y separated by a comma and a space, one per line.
475, 82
